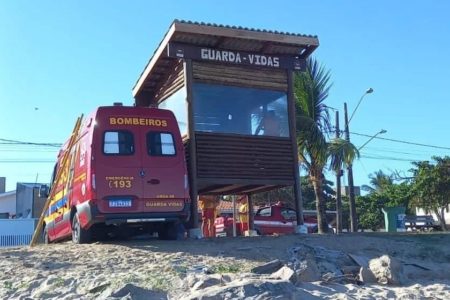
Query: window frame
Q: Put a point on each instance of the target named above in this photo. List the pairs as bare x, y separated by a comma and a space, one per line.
160, 155
133, 147
258, 114
263, 209
291, 212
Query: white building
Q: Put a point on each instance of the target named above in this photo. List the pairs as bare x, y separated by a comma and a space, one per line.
345, 190
7, 201
7, 204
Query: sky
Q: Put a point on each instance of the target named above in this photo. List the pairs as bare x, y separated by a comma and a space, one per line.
59, 59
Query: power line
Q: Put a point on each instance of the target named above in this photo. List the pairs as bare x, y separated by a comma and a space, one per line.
396, 141
411, 151
381, 157
403, 142
26, 160
15, 142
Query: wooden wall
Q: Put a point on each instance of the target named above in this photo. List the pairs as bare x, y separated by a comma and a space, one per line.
240, 76
243, 157
174, 82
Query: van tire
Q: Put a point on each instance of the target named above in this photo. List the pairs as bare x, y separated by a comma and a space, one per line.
79, 235
168, 231
45, 238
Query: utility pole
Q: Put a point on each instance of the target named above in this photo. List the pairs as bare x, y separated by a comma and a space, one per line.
353, 221
338, 186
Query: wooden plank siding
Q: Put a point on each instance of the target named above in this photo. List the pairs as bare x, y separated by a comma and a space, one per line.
173, 83
244, 157
240, 76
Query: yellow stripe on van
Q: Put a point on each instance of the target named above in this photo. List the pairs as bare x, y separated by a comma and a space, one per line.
80, 178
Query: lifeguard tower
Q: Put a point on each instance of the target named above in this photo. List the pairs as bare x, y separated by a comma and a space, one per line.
231, 89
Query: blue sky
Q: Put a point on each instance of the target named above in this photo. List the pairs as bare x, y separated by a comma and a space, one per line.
59, 59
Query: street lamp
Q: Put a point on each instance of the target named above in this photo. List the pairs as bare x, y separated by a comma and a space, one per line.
353, 220
369, 91
374, 136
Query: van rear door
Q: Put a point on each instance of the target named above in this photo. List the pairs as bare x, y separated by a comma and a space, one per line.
117, 167
165, 182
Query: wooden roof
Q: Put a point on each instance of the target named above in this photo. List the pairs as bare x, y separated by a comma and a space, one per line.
235, 38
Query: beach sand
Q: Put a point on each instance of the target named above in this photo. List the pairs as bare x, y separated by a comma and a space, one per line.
154, 269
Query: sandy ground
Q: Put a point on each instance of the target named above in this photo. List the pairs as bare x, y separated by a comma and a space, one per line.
149, 268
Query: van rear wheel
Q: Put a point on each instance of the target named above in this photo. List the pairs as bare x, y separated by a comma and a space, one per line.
79, 235
45, 238
168, 231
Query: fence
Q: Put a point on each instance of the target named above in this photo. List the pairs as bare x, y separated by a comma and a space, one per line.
16, 232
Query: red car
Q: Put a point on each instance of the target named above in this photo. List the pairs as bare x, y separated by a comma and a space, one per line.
274, 219
280, 219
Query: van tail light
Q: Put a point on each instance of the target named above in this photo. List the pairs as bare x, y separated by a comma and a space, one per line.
93, 182
186, 182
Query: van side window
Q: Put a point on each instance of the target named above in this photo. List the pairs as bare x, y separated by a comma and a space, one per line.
160, 144
55, 169
118, 143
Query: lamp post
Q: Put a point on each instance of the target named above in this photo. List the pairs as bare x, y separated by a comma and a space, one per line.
353, 220
374, 136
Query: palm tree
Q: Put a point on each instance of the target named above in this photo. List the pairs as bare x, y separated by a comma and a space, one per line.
313, 125
379, 181
342, 154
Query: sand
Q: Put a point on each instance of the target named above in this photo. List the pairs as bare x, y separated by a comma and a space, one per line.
153, 269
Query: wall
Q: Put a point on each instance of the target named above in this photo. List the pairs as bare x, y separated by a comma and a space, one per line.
16, 232
28, 201
2, 184
8, 203
24, 200
345, 191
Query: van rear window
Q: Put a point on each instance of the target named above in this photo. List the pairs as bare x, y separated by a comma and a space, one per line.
160, 144
118, 143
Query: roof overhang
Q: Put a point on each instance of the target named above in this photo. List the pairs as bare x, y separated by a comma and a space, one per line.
221, 37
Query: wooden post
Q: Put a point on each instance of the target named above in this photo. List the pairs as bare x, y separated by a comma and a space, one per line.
192, 171
251, 224
293, 135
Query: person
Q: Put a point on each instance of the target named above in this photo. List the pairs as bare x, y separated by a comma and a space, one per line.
243, 213
209, 205
271, 124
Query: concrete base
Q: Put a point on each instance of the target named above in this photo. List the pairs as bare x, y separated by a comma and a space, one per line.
195, 233
250, 233
301, 229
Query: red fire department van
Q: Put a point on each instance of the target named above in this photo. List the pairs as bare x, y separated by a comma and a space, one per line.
126, 169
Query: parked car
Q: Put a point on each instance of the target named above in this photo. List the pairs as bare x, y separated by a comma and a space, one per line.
272, 219
421, 223
276, 219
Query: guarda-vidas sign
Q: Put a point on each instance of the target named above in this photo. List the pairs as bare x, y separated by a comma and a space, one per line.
235, 57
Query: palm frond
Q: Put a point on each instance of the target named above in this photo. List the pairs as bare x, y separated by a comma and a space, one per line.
342, 153
311, 89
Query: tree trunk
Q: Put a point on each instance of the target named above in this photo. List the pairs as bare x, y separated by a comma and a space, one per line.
443, 224
322, 224
440, 216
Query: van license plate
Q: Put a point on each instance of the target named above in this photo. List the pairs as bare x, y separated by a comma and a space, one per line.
119, 203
